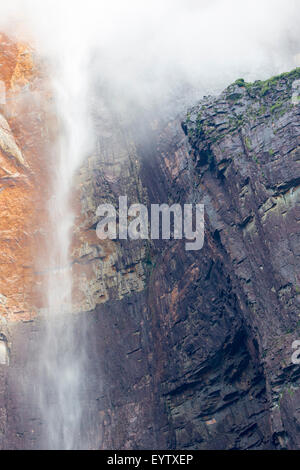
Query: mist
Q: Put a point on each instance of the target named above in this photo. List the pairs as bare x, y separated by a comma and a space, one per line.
143, 53
144, 49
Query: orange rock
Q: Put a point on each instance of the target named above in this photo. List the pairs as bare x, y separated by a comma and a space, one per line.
25, 150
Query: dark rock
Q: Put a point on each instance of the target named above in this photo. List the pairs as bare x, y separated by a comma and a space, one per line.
200, 358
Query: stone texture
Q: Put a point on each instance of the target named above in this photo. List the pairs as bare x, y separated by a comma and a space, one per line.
221, 322
186, 350
245, 152
24, 150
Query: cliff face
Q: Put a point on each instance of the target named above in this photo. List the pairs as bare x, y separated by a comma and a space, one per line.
203, 353
245, 149
24, 154
194, 348
184, 349
231, 329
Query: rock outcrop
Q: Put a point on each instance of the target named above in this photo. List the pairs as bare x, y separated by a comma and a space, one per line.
188, 350
24, 150
242, 162
201, 342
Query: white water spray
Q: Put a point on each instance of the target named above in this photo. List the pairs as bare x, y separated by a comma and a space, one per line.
62, 354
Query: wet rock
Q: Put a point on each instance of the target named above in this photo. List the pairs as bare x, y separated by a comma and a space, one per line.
187, 350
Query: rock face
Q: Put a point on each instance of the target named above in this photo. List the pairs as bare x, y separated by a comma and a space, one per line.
186, 350
203, 353
24, 149
245, 149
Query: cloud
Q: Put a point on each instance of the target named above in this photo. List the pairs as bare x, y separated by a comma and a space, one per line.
140, 52
146, 47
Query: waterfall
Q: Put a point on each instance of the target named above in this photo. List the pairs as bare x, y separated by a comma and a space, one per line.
61, 361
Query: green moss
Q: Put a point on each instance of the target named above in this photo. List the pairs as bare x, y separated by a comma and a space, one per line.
240, 82
199, 127
263, 87
248, 143
278, 105
291, 391
234, 97
262, 110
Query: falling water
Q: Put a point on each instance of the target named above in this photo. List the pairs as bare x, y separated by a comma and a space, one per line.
62, 354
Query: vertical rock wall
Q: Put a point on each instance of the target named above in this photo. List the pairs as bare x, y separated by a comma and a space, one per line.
184, 349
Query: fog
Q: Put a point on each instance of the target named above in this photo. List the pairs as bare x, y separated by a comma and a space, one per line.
143, 52
143, 48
